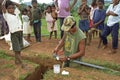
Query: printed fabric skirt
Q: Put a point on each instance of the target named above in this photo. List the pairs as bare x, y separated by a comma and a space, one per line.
84, 25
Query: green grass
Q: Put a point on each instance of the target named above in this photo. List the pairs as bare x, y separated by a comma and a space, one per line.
4, 55
44, 27
106, 64
7, 66
22, 77
49, 75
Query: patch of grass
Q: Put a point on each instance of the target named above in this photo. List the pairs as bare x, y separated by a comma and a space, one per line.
33, 64
111, 67
112, 72
44, 27
7, 66
4, 55
49, 75
107, 64
22, 77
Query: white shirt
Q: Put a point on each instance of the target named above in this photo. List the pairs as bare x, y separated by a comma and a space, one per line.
113, 19
49, 17
13, 21
25, 18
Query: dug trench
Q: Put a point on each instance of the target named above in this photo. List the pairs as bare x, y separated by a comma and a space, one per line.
44, 65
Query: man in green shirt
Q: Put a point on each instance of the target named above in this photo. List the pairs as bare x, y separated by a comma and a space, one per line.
73, 42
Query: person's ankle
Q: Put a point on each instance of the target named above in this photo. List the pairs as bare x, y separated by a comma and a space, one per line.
114, 50
105, 46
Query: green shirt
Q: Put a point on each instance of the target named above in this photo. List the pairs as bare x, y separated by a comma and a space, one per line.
36, 14
72, 42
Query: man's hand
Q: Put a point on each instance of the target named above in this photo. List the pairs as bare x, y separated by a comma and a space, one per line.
94, 25
63, 58
111, 13
56, 50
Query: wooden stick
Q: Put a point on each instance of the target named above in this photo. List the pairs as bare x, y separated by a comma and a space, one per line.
62, 65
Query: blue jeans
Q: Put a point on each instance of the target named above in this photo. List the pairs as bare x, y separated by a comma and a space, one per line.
114, 30
61, 23
37, 31
84, 25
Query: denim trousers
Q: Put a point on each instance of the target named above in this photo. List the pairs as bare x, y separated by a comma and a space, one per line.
61, 23
37, 31
114, 30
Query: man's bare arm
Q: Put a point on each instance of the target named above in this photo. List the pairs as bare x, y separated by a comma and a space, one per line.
60, 45
81, 51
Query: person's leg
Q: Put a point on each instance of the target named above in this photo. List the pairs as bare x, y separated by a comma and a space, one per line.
18, 59
100, 40
61, 23
90, 32
55, 32
50, 34
104, 35
17, 44
37, 31
115, 32
28, 37
53, 24
86, 28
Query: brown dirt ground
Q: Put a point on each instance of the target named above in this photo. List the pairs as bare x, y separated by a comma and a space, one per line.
10, 71
46, 47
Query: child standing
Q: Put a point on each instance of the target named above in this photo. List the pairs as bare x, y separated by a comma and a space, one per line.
54, 15
113, 13
93, 8
98, 20
83, 12
29, 13
51, 23
15, 27
36, 19
26, 28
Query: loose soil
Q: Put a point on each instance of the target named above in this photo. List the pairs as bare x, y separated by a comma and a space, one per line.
46, 47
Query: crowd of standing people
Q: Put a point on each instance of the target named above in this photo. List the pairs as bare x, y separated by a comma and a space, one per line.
73, 38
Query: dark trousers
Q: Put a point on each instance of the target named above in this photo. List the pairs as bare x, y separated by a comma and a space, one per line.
61, 23
3, 26
114, 30
37, 31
